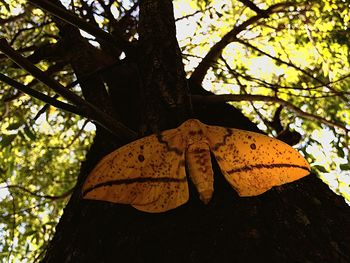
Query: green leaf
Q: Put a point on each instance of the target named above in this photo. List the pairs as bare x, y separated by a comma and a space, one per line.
344, 167
52, 223
14, 126
340, 152
29, 132
7, 139
320, 168
30, 233
20, 134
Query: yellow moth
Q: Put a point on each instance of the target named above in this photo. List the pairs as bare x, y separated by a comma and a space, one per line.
149, 173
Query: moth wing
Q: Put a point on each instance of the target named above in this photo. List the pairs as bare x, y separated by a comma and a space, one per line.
253, 163
148, 173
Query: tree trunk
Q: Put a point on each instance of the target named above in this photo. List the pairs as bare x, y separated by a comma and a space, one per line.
299, 222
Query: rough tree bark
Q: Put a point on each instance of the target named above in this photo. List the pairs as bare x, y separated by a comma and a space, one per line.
300, 222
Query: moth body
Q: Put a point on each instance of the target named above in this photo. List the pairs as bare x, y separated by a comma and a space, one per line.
200, 170
197, 155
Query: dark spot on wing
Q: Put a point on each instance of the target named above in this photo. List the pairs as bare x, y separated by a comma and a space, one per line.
253, 146
141, 158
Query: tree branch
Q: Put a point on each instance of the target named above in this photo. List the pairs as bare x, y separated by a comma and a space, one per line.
40, 96
79, 23
89, 109
24, 210
50, 197
248, 97
190, 15
271, 85
215, 52
13, 18
255, 8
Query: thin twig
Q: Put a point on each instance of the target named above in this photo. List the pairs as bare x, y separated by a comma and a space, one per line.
274, 87
40, 96
24, 209
244, 91
43, 108
248, 97
77, 135
190, 15
50, 197
12, 18
269, 85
